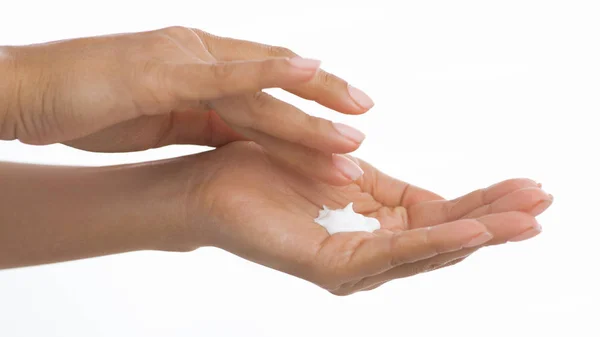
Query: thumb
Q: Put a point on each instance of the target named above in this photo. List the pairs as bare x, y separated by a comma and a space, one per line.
204, 81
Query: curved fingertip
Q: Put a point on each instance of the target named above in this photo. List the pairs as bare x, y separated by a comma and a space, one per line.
335, 138
335, 93
360, 98
479, 240
527, 234
509, 225
350, 133
340, 171
505, 187
346, 167
542, 206
532, 200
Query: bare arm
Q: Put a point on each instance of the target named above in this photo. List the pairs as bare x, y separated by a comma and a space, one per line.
52, 213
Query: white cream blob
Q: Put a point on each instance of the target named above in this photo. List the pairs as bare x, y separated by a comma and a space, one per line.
346, 220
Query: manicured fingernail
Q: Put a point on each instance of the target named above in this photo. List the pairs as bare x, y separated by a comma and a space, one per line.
479, 240
360, 98
349, 132
306, 64
347, 167
528, 234
542, 206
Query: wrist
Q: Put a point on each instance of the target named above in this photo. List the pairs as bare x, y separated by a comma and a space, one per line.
8, 88
53, 213
169, 195
153, 197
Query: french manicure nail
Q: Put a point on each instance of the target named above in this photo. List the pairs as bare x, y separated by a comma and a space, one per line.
347, 166
360, 98
306, 64
479, 240
528, 234
349, 132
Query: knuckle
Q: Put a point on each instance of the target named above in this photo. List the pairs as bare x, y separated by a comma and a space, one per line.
187, 37
425, 236
221, 71
158, 44
326, 80
267, 67
260, 101
175, 30
156, 78
318, 126
397, 259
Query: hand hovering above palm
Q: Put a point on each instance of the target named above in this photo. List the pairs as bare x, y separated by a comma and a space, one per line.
265, 212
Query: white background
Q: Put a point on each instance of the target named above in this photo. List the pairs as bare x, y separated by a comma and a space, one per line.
467, 93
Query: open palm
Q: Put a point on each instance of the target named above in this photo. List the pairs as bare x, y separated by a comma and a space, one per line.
265, 213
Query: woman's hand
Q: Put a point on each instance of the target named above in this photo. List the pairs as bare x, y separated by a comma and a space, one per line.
137, 91
240, 201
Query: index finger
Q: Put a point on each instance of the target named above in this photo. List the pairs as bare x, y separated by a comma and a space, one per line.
204, 81
324, 88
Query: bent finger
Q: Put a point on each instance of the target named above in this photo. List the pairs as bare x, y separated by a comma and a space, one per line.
334, 169
207, 81
325, 88
532, 200
440, 211
265, 113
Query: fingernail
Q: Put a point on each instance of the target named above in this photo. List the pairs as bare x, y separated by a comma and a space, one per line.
528, 234
347, 167
542, 206
349, 132
479, 240
360, 98
302, 63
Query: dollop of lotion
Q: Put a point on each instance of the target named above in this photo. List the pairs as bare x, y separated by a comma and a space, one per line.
346, 220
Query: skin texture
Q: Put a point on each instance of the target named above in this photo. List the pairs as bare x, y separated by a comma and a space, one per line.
255, 196
239, 199
135, 91
264, 212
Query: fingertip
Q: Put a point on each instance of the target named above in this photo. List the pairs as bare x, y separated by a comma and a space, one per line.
304, 63
338, 138
360, 99
353, 135
527, 234
506, 226
479, 240
542, 206
347, 167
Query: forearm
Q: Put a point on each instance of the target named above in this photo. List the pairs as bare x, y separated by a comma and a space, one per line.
52, 214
